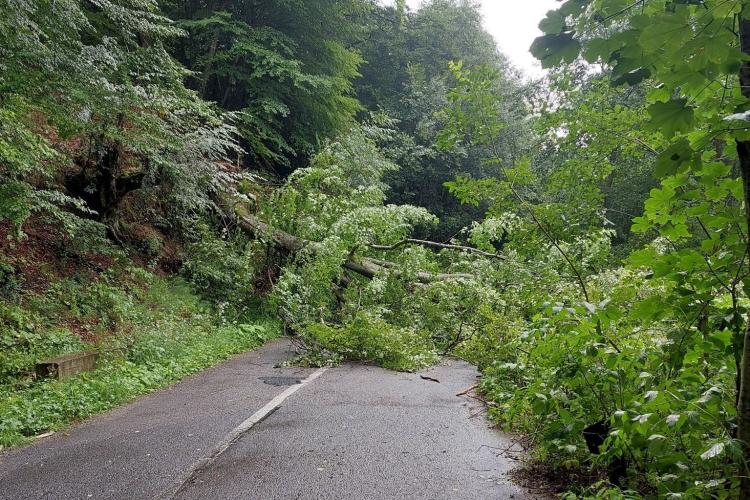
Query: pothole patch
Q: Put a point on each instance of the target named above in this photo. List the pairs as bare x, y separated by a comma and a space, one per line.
281, 381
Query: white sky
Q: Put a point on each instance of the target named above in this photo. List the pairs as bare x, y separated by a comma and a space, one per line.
514, 24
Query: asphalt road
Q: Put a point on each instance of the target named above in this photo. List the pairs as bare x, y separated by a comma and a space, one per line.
247, 430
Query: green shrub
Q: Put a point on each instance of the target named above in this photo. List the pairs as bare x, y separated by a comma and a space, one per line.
373, 340
82, 298
10, 284
222, 270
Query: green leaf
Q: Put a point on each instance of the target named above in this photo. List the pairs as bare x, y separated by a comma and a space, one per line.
671, 159
648, 308
671, 117
598, 48
675, 231
721, 339
670, 30
553, 23
642, 258
553, 49
633, 77
641, 225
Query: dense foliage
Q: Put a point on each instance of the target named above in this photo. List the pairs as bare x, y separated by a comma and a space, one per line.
396, 191
92, 103
285, 67
407, 76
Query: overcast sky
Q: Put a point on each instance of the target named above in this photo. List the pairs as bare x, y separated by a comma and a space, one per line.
514, 26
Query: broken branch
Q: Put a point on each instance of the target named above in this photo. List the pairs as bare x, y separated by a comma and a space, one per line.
434, 244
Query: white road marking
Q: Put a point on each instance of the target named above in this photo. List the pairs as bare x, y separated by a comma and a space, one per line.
259, 415
243, 428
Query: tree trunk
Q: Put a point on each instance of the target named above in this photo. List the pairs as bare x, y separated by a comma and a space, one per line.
743, 399
209, 63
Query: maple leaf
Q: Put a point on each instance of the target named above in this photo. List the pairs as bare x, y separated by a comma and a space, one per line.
671, 117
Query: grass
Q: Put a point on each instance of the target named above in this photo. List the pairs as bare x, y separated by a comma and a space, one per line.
150, 332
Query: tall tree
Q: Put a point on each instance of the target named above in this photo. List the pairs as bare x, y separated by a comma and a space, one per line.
407, 76
591, 136
284, 66
93, 101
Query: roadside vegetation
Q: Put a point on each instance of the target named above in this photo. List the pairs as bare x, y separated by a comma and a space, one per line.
148, 330
180, 181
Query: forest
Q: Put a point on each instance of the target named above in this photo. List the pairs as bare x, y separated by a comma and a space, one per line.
182, 180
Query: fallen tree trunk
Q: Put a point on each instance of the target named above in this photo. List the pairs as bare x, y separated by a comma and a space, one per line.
367, 267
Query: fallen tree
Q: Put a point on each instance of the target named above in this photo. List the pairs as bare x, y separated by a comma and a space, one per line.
354, 283
365, 266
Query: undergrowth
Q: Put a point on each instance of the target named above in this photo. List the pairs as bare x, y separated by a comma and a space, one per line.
149, 331
373, 340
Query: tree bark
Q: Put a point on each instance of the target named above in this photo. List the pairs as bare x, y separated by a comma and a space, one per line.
743, 399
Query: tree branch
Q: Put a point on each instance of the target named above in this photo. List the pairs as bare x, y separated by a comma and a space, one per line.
369, 268
434, 244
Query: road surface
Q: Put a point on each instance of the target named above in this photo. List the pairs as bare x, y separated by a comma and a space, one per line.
246, 429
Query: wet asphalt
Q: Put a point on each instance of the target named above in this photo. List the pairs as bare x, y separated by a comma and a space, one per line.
355, 432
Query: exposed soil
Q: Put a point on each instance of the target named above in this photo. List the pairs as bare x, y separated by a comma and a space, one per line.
40, 256
541, 479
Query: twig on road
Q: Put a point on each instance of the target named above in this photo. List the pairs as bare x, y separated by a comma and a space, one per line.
467, 391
